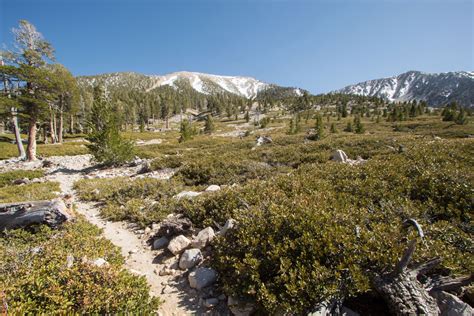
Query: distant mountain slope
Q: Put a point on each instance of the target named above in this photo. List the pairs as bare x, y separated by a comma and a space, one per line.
246, 87
435, 89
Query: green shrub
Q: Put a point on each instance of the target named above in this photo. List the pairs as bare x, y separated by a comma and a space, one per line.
7, 178
168, 161
29, 192
41, 283
317, 233
142, 201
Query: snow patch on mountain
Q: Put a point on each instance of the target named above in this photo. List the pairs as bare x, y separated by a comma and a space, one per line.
244, 86
436, 89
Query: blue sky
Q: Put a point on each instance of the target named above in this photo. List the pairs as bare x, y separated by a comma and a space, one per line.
316, 45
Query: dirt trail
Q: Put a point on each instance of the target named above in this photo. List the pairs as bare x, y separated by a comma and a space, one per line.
140, 259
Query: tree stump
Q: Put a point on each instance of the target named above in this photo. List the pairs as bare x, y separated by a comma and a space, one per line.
25, 214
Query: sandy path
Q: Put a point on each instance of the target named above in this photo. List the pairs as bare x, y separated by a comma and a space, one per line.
140, 259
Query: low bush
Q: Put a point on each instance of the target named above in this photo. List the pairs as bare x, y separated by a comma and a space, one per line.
37, 280
7, 178
29, 192
142, 201
318, 232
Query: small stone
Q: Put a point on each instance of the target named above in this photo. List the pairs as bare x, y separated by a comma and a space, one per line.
450, 304
133, 251
167, 290
160, 243
178, 244
229, 224
240, 307
69, 261
165, 271
187, 195
203, 238
202, 277
211, 302
213, 188
136, 272
21, 181
190, 258
99, 262
147, 230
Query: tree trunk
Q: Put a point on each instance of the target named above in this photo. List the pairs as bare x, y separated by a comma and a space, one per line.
52, 129
20, 215
31, 148
401, 290
16, 130
60, 129
71, 126
45, 134
405, 295
55, 128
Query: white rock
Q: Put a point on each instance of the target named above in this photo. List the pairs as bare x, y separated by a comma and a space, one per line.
451, 305
187, 195
213, 188
229, 224
178, 244
339, 156
202, 277
69, 261
203, 238
160, 243
99, 262
190, 258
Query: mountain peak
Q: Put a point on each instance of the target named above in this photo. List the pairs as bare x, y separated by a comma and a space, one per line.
246, 87
434, 88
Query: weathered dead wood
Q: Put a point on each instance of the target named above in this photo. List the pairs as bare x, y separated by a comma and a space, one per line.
175, 225
442, 283
21, 215
402, 291
406, 295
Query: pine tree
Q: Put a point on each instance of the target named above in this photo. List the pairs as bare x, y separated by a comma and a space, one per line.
33, 51
106, 143
333, 128
449, 112
461, 118
358, 126
209, 125
294, 125
186, 131
319, 127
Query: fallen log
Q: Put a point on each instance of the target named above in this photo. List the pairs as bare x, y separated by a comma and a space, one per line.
405, 294
25, 214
